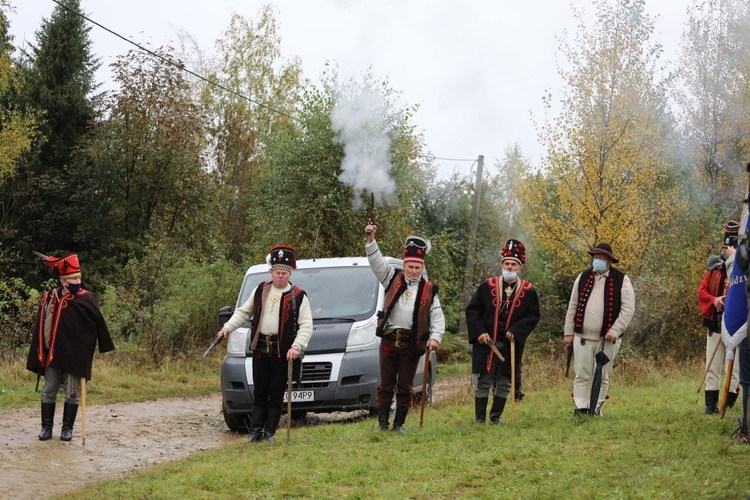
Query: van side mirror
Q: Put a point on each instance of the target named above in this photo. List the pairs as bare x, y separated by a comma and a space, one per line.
224, 314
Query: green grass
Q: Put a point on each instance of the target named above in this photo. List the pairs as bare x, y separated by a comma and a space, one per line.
122, 376
653, 442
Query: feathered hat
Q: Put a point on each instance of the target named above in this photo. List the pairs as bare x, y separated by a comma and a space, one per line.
415, 249
63, 267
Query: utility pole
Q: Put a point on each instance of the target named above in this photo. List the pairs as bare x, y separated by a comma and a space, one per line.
469, 273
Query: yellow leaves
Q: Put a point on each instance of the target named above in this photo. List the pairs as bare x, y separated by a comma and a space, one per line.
17, 132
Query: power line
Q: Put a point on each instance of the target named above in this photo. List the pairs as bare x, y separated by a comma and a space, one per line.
176, 65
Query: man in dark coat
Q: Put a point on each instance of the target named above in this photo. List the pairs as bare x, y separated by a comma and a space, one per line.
503, 309
67, 329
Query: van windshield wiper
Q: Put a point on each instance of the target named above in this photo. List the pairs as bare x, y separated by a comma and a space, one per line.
336, 318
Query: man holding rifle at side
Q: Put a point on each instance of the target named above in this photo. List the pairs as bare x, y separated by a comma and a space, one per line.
503, 312
411, 321
281, 327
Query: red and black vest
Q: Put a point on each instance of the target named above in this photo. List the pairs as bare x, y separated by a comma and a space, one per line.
288, 315
426, 291
612, 298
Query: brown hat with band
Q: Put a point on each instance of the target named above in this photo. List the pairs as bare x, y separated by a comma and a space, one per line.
604, 249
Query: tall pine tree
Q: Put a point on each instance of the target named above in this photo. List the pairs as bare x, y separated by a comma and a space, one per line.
59, 72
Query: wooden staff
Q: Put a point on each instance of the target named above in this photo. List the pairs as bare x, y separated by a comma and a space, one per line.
708, 366
83, 410
512, 380
289, 373
425, 376
727, 383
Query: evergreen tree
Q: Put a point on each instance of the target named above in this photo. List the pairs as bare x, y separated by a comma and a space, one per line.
59, 81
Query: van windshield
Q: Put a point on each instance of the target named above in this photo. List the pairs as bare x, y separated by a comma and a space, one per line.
334, 292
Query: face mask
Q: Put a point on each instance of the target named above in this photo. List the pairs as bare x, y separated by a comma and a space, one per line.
74, 288
509, 275
599, 265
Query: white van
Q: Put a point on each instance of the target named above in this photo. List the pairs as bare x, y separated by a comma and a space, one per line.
340, 367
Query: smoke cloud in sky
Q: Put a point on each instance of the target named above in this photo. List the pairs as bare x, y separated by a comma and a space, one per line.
360, 121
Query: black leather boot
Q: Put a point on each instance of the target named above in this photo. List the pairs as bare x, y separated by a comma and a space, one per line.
48, 421
398, 420
257, 423
69, 418
480, 409
272, 422
712, 399
498, 405
383, 414
731, 398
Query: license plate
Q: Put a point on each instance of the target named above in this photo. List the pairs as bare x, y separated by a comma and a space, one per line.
300, 396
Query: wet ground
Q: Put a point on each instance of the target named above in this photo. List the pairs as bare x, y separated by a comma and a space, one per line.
120, 438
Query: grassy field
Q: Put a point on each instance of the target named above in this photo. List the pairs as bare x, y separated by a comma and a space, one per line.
653, 442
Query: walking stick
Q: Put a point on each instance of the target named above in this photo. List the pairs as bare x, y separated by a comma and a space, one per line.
289, 401
708, 366
83, 410
727, 383
512, 380
425, 376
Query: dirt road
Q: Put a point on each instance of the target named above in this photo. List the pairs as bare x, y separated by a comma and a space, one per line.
119, 439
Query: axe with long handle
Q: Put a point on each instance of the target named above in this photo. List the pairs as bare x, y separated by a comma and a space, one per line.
425, 376
512, 380
708, 366
727, 384
83, 411
289, 373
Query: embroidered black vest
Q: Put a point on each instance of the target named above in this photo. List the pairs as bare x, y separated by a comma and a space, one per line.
426, 291
288, 319
612, 298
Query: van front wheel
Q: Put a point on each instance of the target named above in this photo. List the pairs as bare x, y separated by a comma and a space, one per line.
237, 422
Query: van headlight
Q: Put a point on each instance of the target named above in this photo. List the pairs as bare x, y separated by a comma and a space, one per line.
236, 343
362, 335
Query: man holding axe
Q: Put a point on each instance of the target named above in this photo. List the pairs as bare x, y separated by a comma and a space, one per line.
68, 327
500, 316
411, 323
281, 326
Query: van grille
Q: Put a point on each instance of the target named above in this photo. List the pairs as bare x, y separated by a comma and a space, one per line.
312, 372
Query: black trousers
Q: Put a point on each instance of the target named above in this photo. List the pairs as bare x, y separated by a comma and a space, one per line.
270, 379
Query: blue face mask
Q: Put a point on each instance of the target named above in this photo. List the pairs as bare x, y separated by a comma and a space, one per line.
74, 288
509, 275
599, 265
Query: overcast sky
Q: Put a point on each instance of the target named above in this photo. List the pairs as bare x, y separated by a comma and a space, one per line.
478, 69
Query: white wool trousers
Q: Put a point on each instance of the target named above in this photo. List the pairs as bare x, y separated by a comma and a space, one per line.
584, 352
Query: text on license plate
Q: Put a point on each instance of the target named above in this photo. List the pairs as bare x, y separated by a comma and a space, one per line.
300, 396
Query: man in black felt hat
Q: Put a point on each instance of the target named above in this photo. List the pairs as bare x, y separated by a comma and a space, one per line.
602, 304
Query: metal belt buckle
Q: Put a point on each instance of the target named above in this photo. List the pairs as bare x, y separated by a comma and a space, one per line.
398, 338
